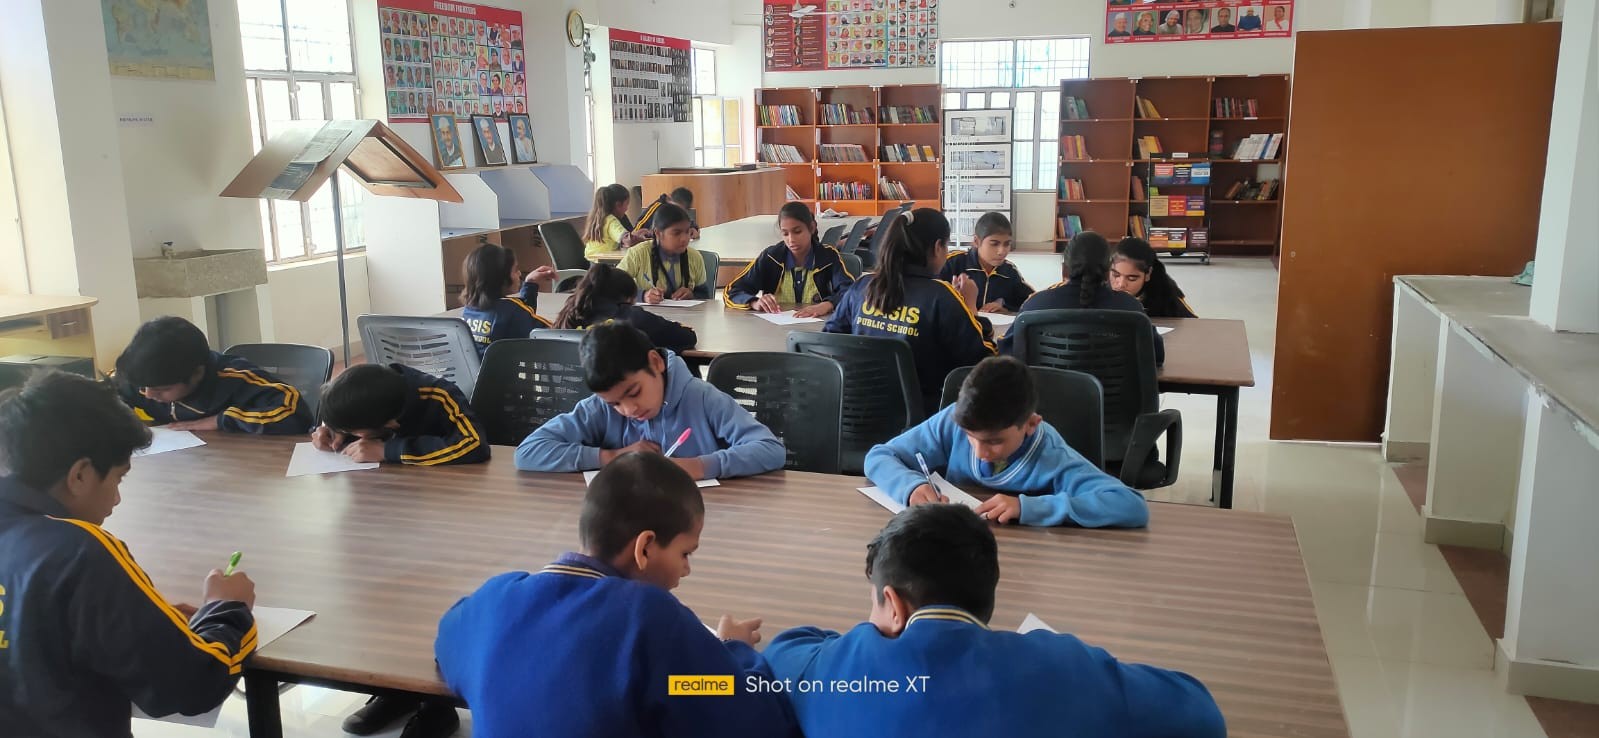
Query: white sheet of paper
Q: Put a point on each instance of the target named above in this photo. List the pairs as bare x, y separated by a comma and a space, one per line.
999, 319
785, 318
308, 460
1164, 329
271, 623
880, 497
1032, 623
163, 440
678, 303
955, 494
588, 478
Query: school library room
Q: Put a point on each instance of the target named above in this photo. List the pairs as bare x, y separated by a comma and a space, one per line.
832, 368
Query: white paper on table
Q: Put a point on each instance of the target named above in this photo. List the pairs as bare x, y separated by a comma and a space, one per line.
588, 478
786, 318
1164, 329
678, 303
163, 440
308, 460
955, 494
1032, 623
998, 319
271, 623
877, 495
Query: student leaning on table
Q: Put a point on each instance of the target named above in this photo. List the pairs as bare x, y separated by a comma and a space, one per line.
83, 633
797, 271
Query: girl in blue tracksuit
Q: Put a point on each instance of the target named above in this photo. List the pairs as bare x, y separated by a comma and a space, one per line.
490, 310
608, 294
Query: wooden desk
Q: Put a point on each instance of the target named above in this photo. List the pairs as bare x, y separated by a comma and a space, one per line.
738, 243
46, 325
520, 236
721, 196
380, 555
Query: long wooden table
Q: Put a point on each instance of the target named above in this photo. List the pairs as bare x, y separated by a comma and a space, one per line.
380, 555
738, 242
1203, 357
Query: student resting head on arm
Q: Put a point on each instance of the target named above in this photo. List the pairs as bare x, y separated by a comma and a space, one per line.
1000, 286
666, 268
798, 271
1135, 269
497, 302
84, 633
644, 398
170, 377
933, 571
607, 294
604, 626
1087, 287
607, 228
393, 413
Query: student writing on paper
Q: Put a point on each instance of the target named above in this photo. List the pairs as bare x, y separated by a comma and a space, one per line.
905, 299
992, 436
798, 271
607, 294
666, 268
1087, 270
393, 413
82, 631
170, 377
933, 571
1135, 269
490, 307
1000, 286
644, 398
588, 645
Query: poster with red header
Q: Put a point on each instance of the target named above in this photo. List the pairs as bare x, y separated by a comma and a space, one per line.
811, 35
1128, 22
450, 57
795, 37
651, 78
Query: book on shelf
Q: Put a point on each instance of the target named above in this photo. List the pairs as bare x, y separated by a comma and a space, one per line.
789, 194
1146, 108
781, 154
1138, 226
1258, 146
838, 114
891, 190
780, 115
1218, 144
906, 152
842, 154
1245, 189
1158, 204
1180, 174
907, 114
1237, 107
1072, 189
1069, 226
1199, 239
1168, 238
1076, 108
1075, 147
1138, 189
1149, 147
843, 191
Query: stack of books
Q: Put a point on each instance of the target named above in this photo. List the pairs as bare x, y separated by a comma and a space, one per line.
842, 153
1149, 147
907, 114
1145, 108
1138, 226
1235, 107
1245, 189
908, 152
838, 114
1072, 189
780, 115
843, 191
781, 154
1258, 146
1069, 226
1076, 108
891, 190
1074, 148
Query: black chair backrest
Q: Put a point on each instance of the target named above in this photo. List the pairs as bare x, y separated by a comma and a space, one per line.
852, 240
1117, 347
564, 243
832, 236
1072, 402
524, 383
882, 231
798, 396
305, 368
882, 397
564, 334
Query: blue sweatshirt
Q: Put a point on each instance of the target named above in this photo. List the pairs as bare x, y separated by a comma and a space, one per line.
1055, 483
578, 650
984, 683
513, 316
726, 438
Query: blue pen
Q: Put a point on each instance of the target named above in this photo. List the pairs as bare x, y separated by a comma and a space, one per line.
925, 472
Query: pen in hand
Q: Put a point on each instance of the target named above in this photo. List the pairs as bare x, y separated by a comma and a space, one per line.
680, 439
233, 561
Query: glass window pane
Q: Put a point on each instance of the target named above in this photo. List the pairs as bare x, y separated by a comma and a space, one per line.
261, 30
353, 197
1049, 114
275, 106
319, 36
266, 230
699, 157
976, 100
1022, 169
250, 89
713, 157
342, 97
704, 72
1047, 163
1024, 127
309, 95
291, 233
999, 99
977, 64
952, 101
735, 154
713, 121
322, 236
732, 130
699, 123
1045, 62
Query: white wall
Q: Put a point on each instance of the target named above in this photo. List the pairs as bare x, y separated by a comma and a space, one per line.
13, 259
305, 301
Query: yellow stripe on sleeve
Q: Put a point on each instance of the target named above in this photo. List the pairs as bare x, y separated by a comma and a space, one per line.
466, 445
291, 399
969, 314
727, 294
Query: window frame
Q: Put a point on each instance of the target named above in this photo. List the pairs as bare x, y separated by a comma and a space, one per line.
1035, 144
731, 137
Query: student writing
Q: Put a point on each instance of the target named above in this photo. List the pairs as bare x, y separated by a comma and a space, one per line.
666, 267
393, 413
797, 271
1000, 286
607, 294
490, 310
1136, 270
1087, 271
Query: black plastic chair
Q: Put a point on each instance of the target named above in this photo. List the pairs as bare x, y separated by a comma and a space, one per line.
566, 250
832, 236
852, 240
873, 411
524, 383
1117, 347
869, 254
852, 263
305, 368
798, 396
1071, 402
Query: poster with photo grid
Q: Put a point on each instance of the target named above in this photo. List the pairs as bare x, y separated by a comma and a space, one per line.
1164, 21
856, 35
651, 78
912, 30
859, 34
450, 57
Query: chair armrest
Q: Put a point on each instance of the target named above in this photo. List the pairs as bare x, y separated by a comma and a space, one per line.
1147, 429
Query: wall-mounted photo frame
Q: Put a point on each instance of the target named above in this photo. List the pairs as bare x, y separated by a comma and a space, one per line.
490, 148
447, 148
977, 126
522, 149
980, 194
977, 160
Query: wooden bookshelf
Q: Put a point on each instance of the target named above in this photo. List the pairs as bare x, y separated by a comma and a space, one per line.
923, 180
1184, 118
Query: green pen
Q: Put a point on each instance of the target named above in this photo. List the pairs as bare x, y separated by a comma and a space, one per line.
232, 562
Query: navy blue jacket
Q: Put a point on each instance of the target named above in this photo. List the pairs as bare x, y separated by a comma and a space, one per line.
769, 270
943, 333
1005, 283
437, 425
1068, 296
666, 334
513, 316
83, 633
245, 399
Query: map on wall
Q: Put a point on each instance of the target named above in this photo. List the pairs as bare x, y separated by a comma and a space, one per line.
165, 39
849, 34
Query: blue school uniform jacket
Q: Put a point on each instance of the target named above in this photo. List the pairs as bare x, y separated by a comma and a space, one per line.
513, 316
578, 650
943, 333
83, 633
727, 439
1068, 296
1055, 483
824, 275
981, 682
667, 334
1004, 284
245, 399
437, 425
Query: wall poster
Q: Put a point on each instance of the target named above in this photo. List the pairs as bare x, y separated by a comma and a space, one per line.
651, 78
1127, 21
850, 34
450, 57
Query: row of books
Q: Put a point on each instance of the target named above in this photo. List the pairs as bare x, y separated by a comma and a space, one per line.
1076, 108
1175, 206
781, 153
907, 114
1245, 189
1180, 174
844, 191
780, 115
908, 152
1171, 238
1237, 107
838, 153
1149, 147
1072, 189
1138, 226
1069, 226
1258, 146
1144, 108
838, 114
1074, 147
890, 190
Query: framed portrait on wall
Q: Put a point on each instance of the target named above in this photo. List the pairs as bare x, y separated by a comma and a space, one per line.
447, 142
522, 148
490, 149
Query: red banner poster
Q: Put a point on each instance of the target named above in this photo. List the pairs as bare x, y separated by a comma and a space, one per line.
651, 78
1160, 22
450, 57
795, 38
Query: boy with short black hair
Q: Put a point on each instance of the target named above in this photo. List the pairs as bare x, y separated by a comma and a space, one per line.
682, 197
644, 398
933, 571
377, 412
82, 631
603, 625
993, 437
170, 377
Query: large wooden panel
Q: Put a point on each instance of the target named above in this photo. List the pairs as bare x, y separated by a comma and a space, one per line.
1416, 151
721, 197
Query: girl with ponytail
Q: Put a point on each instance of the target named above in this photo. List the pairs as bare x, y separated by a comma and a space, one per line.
606, 294
1087, 286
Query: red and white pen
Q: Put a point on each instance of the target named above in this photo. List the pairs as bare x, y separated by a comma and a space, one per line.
679, 441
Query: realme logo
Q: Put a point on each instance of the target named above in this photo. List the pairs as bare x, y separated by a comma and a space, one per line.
699, 684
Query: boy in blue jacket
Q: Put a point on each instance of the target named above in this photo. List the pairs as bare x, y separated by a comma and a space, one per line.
170, 377
992, 437
590, 644
644, 398
377, 412
933, 570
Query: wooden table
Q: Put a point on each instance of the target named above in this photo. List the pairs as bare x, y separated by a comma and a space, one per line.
738, 242
1203, 357
47, 325
721, 195
380, 555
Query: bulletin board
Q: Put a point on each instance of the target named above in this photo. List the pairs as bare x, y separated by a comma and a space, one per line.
1165, 21
651, 78
451, 57
850, 34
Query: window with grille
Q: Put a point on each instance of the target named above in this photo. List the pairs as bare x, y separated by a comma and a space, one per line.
299, 65
1023, 75
717, 133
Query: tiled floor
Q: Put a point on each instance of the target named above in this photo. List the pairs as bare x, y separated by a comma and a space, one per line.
1410, 657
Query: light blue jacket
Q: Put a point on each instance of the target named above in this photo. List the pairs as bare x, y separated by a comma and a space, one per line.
728, 441
1055, 483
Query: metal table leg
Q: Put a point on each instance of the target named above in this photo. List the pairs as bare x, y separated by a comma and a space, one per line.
261, 705
1226, 447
